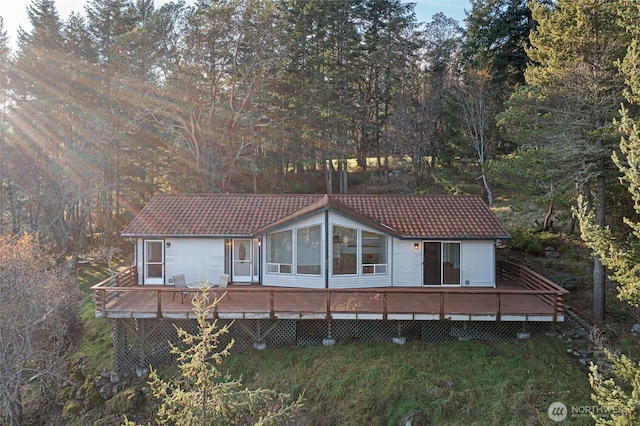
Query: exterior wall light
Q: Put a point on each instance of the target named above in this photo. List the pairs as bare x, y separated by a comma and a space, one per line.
416, 246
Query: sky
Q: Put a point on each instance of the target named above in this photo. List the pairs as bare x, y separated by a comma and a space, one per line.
14, 12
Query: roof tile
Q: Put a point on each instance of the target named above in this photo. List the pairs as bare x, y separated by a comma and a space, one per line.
425, 216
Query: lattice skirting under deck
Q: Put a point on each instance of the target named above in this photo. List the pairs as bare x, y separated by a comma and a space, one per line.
143, 342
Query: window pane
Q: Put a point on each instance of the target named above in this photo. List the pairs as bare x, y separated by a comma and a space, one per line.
374, 248
432, 263
279, 247
309, 251
154, 251
451, 263
154, 270
345, 250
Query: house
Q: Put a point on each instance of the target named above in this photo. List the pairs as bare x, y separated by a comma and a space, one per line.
310, 269
318, 241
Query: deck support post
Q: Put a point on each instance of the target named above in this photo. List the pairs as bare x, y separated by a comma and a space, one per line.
329, 340
399, 339
141, 341
119, 336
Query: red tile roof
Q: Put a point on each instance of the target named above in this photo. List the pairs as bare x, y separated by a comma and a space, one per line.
229, 215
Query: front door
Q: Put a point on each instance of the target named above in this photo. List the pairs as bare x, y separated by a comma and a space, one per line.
243, 260
154, 262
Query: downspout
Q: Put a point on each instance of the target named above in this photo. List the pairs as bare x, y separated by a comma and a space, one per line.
139, 268
326, 249
390, 263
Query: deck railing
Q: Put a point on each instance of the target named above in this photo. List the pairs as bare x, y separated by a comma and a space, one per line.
509, 270
125, 279
355, 303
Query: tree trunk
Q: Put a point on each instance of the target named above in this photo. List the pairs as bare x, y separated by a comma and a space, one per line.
485, 182
328, 175
343, 169
599, 273
547, 219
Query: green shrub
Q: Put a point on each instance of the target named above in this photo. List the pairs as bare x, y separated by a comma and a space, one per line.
565, 280
527, 241
532, 241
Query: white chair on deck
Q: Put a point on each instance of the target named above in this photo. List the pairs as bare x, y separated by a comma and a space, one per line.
180, 283
224, 281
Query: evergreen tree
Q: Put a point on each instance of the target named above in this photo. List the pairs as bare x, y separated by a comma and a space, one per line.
39, 139
496, 36
390, 43
618, 388
496, 39
202, 394
573, 95
345, 65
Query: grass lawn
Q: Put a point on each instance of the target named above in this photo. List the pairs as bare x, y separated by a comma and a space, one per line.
449, 383
96, 341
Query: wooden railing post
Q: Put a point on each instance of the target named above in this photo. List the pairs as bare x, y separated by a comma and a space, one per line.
384, 305
101, 297
272, 312
159, 297
498, 315
441, 305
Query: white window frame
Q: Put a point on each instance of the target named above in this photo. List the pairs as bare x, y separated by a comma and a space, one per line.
373, 268
279, 268
297, 259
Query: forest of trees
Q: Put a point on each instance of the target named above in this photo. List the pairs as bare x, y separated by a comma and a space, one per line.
123, 100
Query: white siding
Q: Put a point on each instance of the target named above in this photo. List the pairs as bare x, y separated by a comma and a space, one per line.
199, 259
407, 263
139, 260
478, 263
477, 260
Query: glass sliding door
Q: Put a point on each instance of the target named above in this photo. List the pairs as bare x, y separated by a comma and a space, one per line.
451, 263
441, 263
432, 271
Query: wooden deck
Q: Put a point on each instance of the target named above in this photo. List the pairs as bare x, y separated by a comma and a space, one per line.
521, 295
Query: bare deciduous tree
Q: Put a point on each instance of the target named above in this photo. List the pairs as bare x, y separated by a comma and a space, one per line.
475, 107
36, 302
